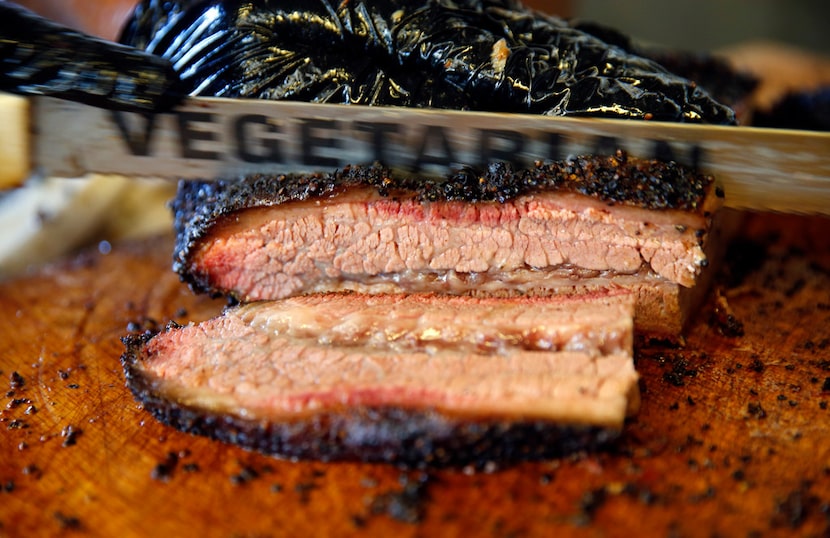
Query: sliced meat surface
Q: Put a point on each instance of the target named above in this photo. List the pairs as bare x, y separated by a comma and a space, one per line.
415, 246
336, 376
272, 238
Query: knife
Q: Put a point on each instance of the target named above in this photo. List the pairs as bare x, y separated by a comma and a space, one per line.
210, 138
214, 138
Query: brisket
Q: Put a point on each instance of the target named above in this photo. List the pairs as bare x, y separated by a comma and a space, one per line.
482, 317
413, 380
560, 228
464, 54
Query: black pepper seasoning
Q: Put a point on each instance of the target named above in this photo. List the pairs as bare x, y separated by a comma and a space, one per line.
70, 435
245, 475
756, 410
67, 522
16, 381
164, 470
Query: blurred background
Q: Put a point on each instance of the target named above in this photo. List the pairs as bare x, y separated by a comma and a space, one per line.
781, 43
699, 25
688, 24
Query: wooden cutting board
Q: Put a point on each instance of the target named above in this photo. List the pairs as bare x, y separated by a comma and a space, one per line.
733, 438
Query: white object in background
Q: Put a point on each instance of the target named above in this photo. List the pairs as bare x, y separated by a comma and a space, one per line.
14, 140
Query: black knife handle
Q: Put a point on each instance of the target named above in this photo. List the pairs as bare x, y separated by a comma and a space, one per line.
39, 57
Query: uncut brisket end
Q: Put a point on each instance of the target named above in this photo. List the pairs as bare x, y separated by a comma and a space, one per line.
412, 380
558, 228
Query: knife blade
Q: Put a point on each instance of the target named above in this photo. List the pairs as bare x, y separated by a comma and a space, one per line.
213, 138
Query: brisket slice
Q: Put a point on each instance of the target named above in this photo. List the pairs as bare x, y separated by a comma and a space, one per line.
561, 228
417, 380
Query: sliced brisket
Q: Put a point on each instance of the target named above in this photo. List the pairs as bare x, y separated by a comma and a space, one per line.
560, 228
414, 380
449, 375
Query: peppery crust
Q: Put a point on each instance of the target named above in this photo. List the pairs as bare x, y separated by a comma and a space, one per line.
404, 437
493, 55
617, 179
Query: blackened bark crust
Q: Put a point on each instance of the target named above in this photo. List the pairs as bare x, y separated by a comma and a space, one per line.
617, 179
407, 438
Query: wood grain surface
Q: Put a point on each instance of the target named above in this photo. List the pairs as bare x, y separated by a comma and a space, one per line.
733, 438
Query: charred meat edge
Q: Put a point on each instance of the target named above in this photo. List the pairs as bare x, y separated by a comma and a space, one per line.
407, 438
670, 190
411, 438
